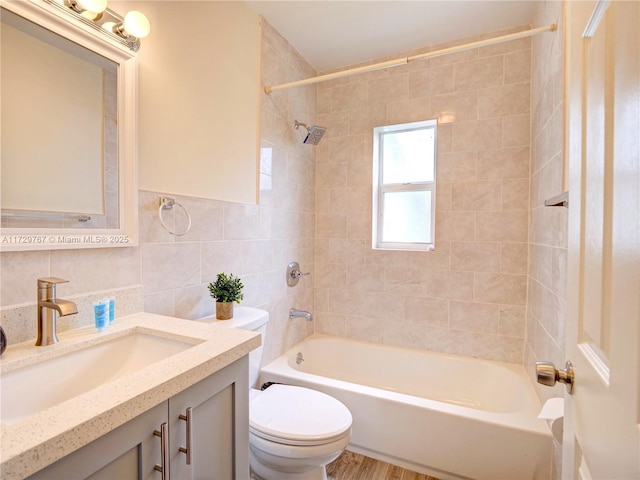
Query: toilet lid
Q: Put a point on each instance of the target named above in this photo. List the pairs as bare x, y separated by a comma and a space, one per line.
296, 415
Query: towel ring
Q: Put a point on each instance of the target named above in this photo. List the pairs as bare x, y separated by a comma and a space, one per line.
167, 203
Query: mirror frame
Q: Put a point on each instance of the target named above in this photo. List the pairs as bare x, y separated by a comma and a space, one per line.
54, 19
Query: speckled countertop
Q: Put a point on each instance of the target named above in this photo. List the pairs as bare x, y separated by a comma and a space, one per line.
38, 440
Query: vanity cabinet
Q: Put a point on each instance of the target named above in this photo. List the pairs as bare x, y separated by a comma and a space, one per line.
218, 424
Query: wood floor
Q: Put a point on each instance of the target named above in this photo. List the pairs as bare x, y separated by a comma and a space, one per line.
352, 466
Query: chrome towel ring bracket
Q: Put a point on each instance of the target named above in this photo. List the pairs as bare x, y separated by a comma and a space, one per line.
167, 203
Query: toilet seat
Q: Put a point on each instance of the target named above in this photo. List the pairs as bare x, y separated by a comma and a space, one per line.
292, 415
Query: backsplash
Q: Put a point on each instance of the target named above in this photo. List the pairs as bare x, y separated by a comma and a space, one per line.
20, 323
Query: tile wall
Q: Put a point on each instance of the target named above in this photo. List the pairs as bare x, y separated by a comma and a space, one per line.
169, 274
546, 306
468, 296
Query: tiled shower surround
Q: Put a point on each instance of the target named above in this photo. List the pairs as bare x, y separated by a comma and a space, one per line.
469, 296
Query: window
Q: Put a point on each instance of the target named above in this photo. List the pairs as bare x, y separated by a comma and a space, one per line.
404, 186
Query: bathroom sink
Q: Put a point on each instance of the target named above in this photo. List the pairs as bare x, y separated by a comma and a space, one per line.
31, 389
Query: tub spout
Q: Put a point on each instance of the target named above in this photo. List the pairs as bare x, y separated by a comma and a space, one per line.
293, 313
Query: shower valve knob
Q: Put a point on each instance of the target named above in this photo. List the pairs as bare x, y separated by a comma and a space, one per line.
294, 274
298, 273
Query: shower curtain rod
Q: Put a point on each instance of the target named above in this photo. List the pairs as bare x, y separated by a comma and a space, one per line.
405, 60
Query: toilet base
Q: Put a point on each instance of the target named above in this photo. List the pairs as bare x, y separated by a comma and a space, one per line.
290, 469
319, 473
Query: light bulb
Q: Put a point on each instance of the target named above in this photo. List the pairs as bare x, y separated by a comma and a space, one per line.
136, 24
108, 26
94, 6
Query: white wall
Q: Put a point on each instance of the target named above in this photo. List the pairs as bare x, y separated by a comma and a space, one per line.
199, 72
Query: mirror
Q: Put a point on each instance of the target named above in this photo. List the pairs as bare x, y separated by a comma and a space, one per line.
68, 133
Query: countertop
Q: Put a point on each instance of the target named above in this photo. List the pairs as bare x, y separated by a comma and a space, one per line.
40, 439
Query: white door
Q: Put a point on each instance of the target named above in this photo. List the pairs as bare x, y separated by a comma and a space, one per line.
601, 438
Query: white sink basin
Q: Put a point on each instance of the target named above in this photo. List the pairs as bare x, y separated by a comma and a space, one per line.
33, 388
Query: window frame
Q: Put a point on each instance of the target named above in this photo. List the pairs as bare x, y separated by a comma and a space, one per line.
379, 189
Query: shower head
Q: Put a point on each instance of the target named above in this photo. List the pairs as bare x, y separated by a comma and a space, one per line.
314, 133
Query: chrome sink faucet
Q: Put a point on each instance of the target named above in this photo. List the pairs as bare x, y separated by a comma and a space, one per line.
49, 308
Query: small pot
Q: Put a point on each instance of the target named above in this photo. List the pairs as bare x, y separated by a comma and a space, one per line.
224, 310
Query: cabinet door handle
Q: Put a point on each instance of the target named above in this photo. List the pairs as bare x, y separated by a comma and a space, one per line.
187, 450
164, 466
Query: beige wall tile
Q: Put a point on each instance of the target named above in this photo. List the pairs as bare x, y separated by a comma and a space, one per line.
482, 73
502, 226
512, 321
503, 100
443, 143
500, 288
331, 175
476, 196
514, 258
457, 166
433, 81
332, 225
364, 119
359, 174
517, 67
409, 111
330, 324
432, 312
349, 96
464, 56
475, 256
330, 276
346, 148
169, 266
452, 226
405, 335
19, 274
474, 317
359, 226
118, 267
383, 306
406, 281
219, 257
450, 285
516, 131
504, 163
389, 89
463, 104
475, 135
443, 196
365, 328
515, 194
366, 278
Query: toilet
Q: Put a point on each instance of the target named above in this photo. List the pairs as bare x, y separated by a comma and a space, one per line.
294, 432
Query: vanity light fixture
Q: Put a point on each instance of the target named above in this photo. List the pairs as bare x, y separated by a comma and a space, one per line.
127, 30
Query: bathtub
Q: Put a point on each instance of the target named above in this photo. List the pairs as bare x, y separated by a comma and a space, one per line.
443, 415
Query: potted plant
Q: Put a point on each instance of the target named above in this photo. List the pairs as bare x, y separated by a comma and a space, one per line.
226, 290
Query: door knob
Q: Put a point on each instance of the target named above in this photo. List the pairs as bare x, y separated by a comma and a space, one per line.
548, 375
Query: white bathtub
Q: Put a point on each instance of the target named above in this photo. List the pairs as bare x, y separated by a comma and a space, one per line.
443, 415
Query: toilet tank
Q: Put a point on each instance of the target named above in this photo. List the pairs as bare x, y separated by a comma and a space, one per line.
247, 318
